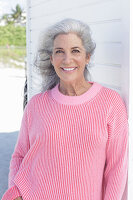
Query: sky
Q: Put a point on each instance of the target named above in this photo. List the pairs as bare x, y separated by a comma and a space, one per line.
7, 5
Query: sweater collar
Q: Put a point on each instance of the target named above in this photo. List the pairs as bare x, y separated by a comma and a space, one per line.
75, 100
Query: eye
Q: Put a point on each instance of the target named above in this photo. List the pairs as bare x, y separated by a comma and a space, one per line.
75, 51
58, 51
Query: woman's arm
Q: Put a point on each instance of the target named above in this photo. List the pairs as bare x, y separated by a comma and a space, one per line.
21, 149
116, 168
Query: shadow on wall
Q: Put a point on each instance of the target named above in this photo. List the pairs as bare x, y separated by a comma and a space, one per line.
7, 144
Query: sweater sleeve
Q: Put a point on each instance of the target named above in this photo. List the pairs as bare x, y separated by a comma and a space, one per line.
116, 168
21, 148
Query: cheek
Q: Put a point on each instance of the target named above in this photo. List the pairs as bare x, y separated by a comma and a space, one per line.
56, 61
81, 59
82, 62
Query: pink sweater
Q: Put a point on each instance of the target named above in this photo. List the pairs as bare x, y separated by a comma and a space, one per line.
71, 147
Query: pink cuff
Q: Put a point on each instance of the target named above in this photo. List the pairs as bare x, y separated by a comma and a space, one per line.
11, 194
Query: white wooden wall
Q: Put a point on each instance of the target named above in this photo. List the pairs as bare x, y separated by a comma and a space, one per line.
106, 19
130, 181
109, 21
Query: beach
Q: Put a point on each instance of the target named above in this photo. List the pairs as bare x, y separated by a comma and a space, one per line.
11, 111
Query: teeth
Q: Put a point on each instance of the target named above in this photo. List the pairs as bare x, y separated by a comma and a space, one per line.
69, 69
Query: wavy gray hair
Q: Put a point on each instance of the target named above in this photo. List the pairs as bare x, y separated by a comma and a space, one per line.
45, 49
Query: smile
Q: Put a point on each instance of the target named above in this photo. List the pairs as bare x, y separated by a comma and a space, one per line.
69, 69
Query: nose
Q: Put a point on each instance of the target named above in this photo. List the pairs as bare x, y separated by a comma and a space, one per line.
67, 58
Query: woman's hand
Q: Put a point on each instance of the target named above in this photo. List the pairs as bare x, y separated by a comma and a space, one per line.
18, 198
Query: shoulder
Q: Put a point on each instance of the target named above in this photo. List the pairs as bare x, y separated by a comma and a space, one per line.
111, 96
112, 102
39, 97
115, 104
36, 100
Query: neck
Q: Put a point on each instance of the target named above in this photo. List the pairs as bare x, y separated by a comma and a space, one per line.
74, 88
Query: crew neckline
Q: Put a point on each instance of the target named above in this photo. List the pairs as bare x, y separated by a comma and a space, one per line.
75, 100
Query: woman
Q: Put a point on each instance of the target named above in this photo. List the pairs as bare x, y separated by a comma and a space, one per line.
73, 142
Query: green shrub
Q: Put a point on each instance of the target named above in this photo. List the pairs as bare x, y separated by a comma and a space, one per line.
12, 35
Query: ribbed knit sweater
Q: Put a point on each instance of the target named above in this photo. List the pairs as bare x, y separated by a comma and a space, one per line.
71, 147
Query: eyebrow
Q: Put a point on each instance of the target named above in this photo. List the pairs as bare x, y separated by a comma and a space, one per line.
58, 48
71, 48
76, 48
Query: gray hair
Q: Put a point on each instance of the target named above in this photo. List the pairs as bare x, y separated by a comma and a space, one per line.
45, 49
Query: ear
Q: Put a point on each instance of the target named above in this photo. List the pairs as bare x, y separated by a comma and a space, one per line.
87, 58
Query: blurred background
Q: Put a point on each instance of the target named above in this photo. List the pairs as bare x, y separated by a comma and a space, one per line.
12, 79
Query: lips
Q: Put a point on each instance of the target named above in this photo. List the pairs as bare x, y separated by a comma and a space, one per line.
69, 68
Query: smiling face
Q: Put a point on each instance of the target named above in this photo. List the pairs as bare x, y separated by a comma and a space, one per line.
69, 57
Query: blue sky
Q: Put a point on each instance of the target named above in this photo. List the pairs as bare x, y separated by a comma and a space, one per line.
7, 5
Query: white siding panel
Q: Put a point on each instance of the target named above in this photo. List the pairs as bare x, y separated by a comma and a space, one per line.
105, 20
66, 8
107, 31
108, 54
91, 13
130, 187
106, 75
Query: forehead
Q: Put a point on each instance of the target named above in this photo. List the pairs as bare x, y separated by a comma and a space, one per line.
69, 39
